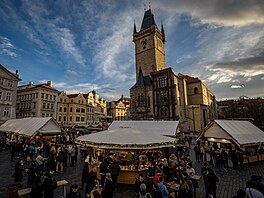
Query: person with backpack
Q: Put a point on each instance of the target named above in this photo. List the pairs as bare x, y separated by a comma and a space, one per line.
143, 192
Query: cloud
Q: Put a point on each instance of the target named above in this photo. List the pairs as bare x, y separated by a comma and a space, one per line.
71, 72
226, 13
237, 86
6, 47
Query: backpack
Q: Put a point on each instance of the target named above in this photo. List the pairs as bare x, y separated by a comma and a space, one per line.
147, 195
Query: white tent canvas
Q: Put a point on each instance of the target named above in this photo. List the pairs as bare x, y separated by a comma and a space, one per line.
158, 127
241, 132
31, 126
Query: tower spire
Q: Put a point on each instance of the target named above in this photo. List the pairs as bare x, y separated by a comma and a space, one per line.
163, 33
135, 28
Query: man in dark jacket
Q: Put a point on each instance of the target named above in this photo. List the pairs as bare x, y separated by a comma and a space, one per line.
114, 170
92, 177
74, 193
49, 185
103, 171
210, 180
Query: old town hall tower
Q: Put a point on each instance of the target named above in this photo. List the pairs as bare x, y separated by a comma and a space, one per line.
150, 57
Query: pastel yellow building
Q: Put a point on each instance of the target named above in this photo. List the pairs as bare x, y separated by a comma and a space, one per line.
120, 109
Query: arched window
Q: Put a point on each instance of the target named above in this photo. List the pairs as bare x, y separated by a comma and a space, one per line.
195, 90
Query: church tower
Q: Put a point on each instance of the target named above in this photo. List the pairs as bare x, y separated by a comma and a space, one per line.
149, 46
150, 57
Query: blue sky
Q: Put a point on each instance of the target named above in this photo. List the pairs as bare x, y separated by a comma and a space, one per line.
85, 45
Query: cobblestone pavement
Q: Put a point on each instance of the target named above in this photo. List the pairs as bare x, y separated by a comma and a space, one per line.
227, 186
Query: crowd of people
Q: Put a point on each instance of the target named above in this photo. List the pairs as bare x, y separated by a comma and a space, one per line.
39, 161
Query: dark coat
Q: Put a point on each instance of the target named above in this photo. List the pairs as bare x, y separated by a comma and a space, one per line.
108, 189
85, 173
73, 194
18, 173
90, 182
36, 191
210, 181
48, 187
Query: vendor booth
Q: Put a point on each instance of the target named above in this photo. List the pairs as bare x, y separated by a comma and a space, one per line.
236, 135
130, 144
38, 128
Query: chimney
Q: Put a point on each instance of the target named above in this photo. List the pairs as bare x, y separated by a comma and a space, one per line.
49, 83
30, 83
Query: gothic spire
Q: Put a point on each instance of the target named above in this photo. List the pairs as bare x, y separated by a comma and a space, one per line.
163, 33
148, 20
135, 29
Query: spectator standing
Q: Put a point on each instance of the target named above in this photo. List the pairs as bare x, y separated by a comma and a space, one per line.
91, 181
60, 160
37, 188
114, 170
49, 185
108, 188
210, 183
18, 175
163, 188
103, 171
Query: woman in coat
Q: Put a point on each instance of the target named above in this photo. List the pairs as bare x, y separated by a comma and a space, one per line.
18, 175
108, 188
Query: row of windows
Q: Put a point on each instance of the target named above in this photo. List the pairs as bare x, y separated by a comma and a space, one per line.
77, 119
8, 83
26, 105
47, 115
78, 110
48, 96
27, 96
65, 100
6, 111
26, 115
7, 96
47, 105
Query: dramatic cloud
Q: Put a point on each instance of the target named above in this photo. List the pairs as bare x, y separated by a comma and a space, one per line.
227, 13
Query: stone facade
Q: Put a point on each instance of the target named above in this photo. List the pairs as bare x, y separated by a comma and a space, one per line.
80, 109
36, 100
8, 94
120, 109
159, 93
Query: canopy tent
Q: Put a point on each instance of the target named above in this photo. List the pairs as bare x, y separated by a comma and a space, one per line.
31, 126
242, 133
127, 138
159, 127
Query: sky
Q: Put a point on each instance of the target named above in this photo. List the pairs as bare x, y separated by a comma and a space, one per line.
87, 45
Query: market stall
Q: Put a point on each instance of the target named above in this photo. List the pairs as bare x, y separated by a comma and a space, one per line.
236, 135
131, 146
32, 128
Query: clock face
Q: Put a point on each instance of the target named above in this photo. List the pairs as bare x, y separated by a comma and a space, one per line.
144, 43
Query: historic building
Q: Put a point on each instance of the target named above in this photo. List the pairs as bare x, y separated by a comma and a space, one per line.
8, 94
159, 93
80, 109
120, 109
36, 100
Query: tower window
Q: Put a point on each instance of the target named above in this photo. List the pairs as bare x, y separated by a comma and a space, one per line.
195, 90
162, 82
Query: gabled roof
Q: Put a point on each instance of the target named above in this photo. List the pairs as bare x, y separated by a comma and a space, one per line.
72, 95
190, 79
31, 126
10, 73
148, 20
242, 132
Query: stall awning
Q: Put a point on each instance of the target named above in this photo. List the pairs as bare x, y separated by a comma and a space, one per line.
241, 132
31, 126
127, 138
159, 127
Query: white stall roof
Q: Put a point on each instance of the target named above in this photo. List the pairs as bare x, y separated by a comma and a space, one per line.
126, 138
158, 127
244, 132
31, 126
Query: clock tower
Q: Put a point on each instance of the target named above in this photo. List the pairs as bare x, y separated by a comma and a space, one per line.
149, 46
150, 57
